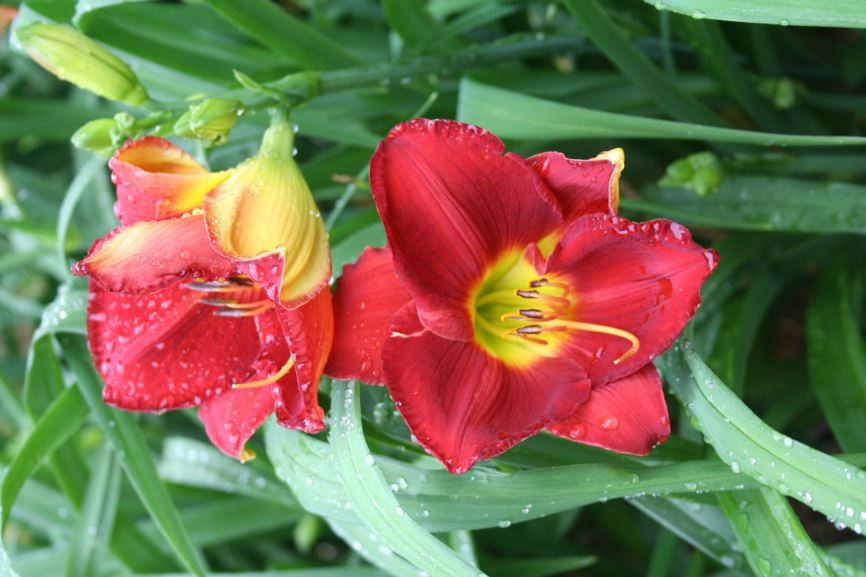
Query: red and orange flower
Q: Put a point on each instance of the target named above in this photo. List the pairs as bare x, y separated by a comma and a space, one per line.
213, 292
511, 298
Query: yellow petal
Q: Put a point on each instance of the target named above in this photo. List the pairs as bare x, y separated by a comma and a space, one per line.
266, 207
616, 156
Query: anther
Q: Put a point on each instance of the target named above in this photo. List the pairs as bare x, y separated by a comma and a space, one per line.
526, 294
532, 313
236, 312
539, 283
529, 330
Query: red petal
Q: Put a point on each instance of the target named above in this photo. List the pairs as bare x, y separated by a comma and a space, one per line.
310, 332
462, 404
628, 415
368, 294
582, 186
155, 179
149, 255
232, 418
165, 350
451, 203
642, 278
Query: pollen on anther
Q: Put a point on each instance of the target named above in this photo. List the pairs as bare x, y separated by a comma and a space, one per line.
526, 294
532, 313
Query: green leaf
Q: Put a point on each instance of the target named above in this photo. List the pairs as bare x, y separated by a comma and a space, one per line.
348, 249
47, 120
368, 545
513, 115
414, 23
596, 24
841, 13
96, 522
283, 33
195, 464
373, 501
5, 565
771, 535
485, 498
538, 566
128, 440
763, 203
828, 485
837, 357
59, 423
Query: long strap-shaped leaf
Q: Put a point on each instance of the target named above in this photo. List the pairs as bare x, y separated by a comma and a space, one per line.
842, 13
513, 115
5, 565
373, 501
824, 483
59, 422
130, 444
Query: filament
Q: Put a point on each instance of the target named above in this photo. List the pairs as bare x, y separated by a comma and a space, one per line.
269, 380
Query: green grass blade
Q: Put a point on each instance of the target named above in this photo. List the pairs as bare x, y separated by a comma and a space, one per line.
836, 354
513, 115
59, 423
372, 499
771, 536
5, 565
605, 34
95, 524
837, 13
283, 33
196, 464
413, 22
128, 440
367, 544
824, 483
763, 203
538, 566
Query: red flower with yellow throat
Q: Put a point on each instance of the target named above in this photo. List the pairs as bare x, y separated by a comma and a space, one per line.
213, 292
511, 298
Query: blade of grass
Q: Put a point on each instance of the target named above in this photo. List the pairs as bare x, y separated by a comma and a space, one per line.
841, 13
131, 446
513, 115
605, 34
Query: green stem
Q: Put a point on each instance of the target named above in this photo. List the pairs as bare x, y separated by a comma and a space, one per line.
348, 78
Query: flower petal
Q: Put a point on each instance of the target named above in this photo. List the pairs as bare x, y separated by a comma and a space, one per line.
231, 418
643, 278
309, 330
151, 255
451, 203
462, 404
628, 415
155, 179
582, 186
367, 296
165, 350
265, 209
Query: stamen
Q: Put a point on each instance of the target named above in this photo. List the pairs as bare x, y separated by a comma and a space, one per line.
560, 303
242, 306
527, 294
269, 380
235, 312
604, 329
530, 330
543, 282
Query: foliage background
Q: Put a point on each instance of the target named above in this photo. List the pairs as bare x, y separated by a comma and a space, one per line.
768, 382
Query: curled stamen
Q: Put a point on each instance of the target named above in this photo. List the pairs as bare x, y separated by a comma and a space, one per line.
543, 282
249, 305
527, 294
532, 313
269, 380
530, 338
232, 311
530, 330
604, 329
559, 303
539, 283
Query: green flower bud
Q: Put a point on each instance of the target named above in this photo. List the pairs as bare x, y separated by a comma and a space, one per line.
210, 120
701, 172
95, 136
72, 56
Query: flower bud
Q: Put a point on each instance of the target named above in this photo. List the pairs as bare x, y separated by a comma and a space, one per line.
266, 208
701, 172
72, 56
96, 136
210, 120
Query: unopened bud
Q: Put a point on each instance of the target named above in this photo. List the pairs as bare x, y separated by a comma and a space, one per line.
210, 120
72, 56
96, 136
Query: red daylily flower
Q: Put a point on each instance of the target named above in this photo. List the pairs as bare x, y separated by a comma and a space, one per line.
213, 292
511, 298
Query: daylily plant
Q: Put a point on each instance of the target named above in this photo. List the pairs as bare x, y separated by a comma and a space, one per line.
213, 292
511, 298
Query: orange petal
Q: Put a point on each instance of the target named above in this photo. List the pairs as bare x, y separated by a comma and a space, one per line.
155, 180
266, 208
153, 255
